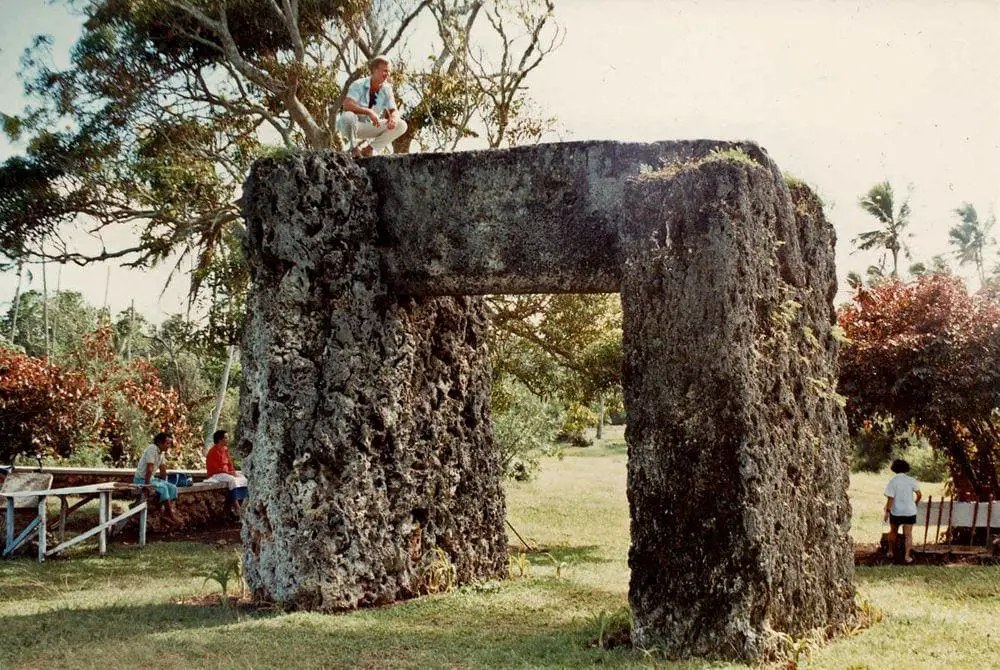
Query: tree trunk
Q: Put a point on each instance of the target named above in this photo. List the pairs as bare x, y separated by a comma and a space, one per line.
401, 145
220, 397
600, 417
17, 299
963, 475
45, 306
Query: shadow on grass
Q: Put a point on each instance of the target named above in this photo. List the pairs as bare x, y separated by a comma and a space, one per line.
599, 449
525, 624
571, 555
26, 579
24, 637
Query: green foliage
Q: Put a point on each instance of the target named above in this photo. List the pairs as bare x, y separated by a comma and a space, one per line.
437, 573
69, 319
797, 650
518, 566
731, 154
577, 418
524, 427
608, 629
225, 573
926, 464
872, 448
564, 347
971, 238
880, 203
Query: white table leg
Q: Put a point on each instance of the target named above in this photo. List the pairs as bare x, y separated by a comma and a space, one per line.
10, 525
102, 537
42, 527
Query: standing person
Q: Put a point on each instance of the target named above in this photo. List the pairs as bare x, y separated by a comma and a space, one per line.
220, 468
366, 102
153, 460
902, 496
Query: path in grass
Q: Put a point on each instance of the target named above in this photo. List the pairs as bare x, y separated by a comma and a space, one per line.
129, 609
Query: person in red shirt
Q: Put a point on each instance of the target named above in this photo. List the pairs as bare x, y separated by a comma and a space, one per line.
221, 469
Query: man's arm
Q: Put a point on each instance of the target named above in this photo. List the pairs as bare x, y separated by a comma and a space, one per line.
888, 506
163, 469
351, 105
919, 496
393, 113
149, 473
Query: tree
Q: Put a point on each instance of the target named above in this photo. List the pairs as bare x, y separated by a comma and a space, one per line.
880, 203
170, 101
971, 237
926, 356
559, 346
70, 317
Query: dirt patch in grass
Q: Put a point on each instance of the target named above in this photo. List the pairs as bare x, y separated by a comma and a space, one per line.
871, 555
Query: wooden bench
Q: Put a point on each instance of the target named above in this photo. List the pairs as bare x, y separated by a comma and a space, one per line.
967, 517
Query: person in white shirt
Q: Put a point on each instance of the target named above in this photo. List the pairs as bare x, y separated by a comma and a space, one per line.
367, 101
153, 460
902, 495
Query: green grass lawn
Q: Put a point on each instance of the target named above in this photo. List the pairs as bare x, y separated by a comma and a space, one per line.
132, 608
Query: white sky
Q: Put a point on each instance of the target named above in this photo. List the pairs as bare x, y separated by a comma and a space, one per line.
841, 94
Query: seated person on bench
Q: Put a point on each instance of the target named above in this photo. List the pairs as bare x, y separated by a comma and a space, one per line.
154, 459
221, 469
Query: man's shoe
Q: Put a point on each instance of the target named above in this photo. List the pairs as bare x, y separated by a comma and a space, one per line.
359, 150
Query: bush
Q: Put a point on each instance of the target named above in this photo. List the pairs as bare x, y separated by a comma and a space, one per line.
575, 420
872, 450
524, 427
91, 400
926, 463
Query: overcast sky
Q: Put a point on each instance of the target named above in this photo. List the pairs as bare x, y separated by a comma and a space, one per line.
841, 94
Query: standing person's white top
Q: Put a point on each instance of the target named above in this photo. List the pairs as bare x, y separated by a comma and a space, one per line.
153, 455
901, 488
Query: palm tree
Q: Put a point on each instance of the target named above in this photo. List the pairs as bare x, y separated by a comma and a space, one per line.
879, 202
971, 237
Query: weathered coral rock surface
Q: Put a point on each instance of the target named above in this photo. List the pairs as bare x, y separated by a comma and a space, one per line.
365, 406
737, 472
366, 413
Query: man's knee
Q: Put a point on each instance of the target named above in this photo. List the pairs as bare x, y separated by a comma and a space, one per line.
398, 130
348, 120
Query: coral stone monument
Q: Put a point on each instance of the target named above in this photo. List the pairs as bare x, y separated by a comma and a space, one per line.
365, 408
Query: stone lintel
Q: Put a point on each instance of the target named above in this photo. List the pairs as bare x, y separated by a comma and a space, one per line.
537, 219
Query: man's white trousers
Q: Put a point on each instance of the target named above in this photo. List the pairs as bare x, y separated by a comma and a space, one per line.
356, 128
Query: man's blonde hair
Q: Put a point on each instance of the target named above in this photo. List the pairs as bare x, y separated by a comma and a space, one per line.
377, 60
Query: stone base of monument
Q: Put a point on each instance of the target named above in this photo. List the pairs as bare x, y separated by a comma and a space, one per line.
736, 473
371, 461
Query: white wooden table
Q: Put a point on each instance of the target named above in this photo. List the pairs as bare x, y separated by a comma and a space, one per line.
39, 524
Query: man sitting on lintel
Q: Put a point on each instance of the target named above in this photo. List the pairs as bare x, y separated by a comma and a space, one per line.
367, 100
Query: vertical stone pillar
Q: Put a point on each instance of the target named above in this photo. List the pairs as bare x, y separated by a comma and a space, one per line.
365, 416
737, 474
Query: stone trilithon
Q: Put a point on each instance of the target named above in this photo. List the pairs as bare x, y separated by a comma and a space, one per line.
365, 418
